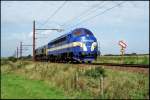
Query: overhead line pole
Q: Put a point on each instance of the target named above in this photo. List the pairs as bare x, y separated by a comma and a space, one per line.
20, 49
17, 52
33, 40
34, 29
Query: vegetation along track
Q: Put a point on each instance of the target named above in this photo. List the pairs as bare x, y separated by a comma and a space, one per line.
122, 65
137, 68
111, 64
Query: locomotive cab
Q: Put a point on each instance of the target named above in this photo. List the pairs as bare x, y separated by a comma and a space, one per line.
87, 49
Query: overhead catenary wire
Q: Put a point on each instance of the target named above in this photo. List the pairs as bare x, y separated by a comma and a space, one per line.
88, 19
55, 12
118, 4
83, 13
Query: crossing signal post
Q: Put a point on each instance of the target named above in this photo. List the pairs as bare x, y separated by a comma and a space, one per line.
123, 45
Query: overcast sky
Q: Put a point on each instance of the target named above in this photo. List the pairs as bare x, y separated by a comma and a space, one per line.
128, 22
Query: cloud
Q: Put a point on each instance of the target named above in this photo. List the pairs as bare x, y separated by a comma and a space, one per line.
30, 34
126, 22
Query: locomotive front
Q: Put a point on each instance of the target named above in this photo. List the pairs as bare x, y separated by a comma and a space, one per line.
85, 45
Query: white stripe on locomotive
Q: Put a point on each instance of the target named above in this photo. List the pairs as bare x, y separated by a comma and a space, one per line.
73, 44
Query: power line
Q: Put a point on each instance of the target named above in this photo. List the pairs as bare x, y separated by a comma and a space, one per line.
54, 13
83, 13
97, 14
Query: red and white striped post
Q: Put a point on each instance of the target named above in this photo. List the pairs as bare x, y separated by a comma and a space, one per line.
123, 46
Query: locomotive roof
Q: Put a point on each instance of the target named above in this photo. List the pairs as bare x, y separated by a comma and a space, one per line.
68, 33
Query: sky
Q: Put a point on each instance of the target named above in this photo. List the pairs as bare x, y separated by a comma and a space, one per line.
109, 22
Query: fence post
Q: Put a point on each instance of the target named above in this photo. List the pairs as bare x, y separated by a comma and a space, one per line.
101, 85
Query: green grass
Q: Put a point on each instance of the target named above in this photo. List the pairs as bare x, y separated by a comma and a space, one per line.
126, 59
45, 80
17, 87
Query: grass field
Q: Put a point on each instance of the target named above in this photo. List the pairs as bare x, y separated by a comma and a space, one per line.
18, 87
139, 59
50, 80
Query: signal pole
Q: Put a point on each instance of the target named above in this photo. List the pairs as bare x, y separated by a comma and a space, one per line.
123, 46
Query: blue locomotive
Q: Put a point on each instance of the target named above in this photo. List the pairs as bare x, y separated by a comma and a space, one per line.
79, 45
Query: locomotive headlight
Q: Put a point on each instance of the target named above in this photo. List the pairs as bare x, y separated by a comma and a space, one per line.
94, 44
83, 53
84, 47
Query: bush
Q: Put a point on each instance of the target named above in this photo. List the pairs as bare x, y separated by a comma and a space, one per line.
13, 59
96, 72
3, 61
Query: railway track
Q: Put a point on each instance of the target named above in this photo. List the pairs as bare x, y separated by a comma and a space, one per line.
134, 68
121, 65
109, 64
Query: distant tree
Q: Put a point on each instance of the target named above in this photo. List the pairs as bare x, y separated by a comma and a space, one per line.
29, 56
133, 54
108, 55
13, 59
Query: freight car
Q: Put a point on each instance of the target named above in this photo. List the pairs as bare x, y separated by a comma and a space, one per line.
79, 45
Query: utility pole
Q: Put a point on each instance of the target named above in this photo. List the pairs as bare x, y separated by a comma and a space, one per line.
20, 49
17, 52
34, 29
34, 40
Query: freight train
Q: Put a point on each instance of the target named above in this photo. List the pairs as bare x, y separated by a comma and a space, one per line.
79, 45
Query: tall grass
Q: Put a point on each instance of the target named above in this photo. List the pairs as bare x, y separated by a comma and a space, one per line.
76, 84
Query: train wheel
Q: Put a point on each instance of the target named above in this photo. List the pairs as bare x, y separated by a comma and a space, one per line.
89, 62
83, 62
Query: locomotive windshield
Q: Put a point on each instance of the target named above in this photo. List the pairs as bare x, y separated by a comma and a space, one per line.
87, 32
79, 32
87, 39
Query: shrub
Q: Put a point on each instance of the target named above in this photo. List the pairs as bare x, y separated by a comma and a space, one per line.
96, 72
13, 59
4, 61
